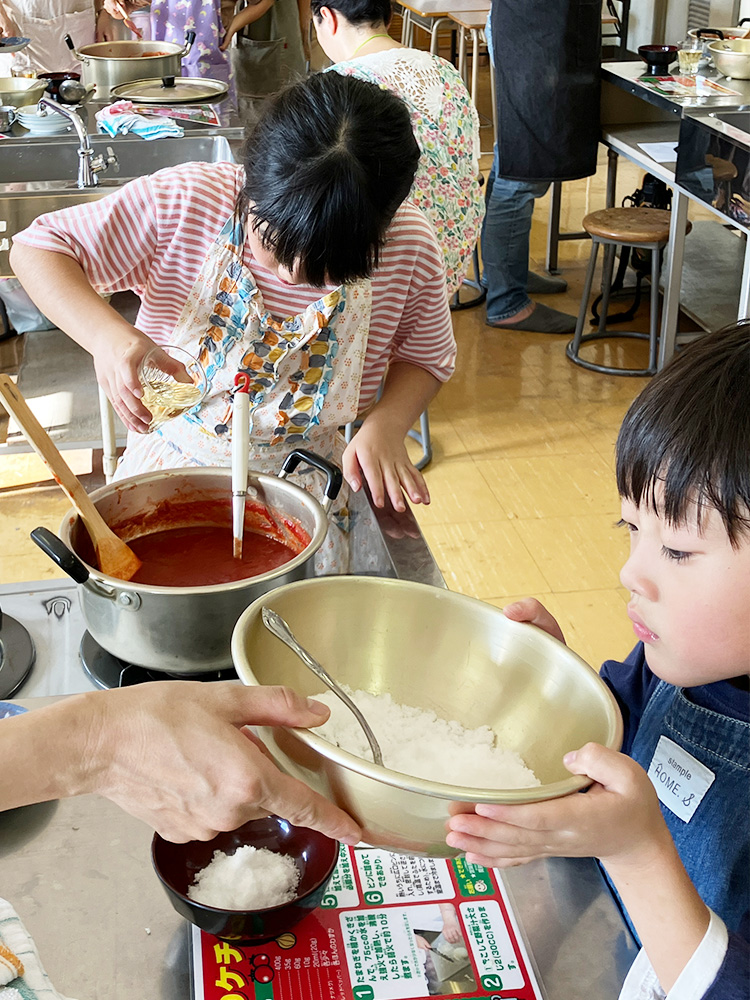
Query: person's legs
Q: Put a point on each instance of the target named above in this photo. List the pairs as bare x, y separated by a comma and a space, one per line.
505, 257
505, 243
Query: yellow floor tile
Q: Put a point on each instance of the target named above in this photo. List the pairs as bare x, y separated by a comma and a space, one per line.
552, 485
457, 487
484, 559
575, 553
21, 512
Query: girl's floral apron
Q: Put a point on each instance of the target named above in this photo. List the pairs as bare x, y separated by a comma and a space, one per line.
305, 373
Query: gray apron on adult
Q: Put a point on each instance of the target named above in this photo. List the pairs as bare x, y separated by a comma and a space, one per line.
547, 66
269, 52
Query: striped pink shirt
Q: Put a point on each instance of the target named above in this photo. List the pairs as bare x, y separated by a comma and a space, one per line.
152, 237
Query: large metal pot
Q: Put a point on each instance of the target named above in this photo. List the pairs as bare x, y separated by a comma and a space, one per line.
181, 630
732, 57
108, 64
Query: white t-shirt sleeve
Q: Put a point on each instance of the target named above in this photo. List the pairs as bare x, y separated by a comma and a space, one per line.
641, 982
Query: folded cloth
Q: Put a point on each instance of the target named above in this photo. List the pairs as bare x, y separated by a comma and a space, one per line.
33, 982
121, 118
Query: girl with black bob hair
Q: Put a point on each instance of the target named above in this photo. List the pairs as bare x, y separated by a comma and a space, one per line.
306, 271
354, 35
327, 166
668, 817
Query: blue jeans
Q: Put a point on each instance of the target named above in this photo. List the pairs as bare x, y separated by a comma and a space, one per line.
505, 242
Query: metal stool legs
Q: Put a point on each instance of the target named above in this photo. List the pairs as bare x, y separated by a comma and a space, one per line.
573, 348
476, 282
422, 437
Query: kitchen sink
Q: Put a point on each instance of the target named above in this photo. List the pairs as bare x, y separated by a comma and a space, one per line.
39, 176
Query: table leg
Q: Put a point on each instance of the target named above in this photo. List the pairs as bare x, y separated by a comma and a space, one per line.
462, 53
744, 309
553, 225
611, 193
474, 64
109, 437
673, 277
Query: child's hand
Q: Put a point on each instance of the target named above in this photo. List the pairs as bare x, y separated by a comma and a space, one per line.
376, 453
531, 611
230, 33
618, 819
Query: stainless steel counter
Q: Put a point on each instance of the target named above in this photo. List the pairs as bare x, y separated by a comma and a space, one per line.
79, 874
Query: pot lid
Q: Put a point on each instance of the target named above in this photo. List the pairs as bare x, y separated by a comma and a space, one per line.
172, 90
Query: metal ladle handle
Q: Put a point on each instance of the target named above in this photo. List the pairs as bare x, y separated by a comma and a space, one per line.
276, 624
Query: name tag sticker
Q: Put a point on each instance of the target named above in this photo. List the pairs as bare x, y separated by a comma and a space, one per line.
680, 780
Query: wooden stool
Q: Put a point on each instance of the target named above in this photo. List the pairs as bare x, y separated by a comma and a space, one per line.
646, 229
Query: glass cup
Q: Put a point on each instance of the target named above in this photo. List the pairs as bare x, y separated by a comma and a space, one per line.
7, 117
689, 54
166, 394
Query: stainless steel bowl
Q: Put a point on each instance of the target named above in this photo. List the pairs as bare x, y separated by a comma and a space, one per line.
19, 91
427, 647
732, 57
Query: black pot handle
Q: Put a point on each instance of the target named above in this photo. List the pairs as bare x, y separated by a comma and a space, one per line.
333, 474
744, 20
60, 554
709, 33
69, 42
167, 81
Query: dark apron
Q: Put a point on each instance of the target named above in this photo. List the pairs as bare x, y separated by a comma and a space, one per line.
269, 52
714, 841
547, 64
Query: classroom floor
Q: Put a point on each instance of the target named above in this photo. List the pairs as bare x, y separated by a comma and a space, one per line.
522, 483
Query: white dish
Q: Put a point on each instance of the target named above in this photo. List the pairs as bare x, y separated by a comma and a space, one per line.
14, 44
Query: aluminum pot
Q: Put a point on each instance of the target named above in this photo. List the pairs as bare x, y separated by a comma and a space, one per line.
732, 57
108, 64
742, 30
182, 630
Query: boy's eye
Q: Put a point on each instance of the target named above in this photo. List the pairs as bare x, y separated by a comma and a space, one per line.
674, 554
625, 524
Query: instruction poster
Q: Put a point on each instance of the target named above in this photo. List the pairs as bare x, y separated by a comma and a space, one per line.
389, 927
686, 86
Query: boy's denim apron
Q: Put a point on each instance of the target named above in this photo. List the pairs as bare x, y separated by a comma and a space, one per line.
714, 843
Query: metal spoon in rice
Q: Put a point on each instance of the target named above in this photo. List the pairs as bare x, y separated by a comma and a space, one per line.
276, 624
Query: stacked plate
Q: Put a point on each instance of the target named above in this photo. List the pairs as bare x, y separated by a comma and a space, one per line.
51, 123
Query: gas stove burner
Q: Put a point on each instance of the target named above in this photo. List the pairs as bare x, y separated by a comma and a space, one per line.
17, 655
106, 671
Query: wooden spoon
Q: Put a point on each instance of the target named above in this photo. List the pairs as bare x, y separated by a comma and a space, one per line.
114, 556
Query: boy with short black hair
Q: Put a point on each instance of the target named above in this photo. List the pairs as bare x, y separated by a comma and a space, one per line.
677, 847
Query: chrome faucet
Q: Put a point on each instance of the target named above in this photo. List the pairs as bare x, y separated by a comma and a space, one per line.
89, 165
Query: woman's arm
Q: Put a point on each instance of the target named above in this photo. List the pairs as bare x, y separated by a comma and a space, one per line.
179, 759
8, 26
248, 15
378, 450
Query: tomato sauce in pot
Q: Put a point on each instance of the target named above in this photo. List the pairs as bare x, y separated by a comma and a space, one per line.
190, 543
